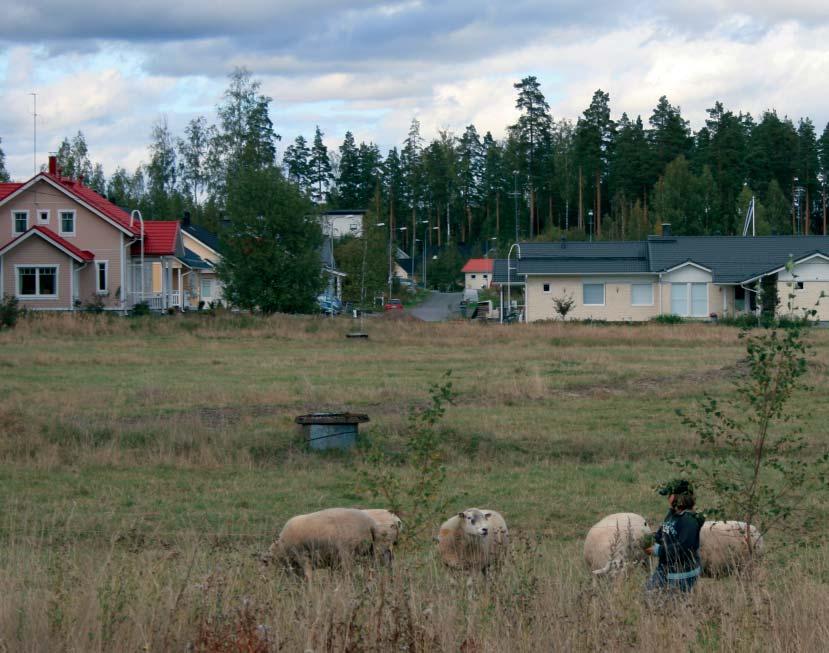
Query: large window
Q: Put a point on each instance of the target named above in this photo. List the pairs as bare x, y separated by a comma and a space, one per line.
67, 223
641, 294
21, 221
37, 281
593, 294
101, 276
689, 299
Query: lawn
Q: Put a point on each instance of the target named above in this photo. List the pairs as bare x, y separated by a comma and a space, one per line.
147, 463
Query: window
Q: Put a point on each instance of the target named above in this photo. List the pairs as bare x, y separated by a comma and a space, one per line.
67, 223
699, 299
546, 287
641, 294
206, 288
40, 281
101, 275
43, 216
21, 221
485, 276
798, 285
689, 299
593, 294
473, 276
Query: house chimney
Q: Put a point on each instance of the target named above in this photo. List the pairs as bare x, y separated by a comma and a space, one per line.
564, 242
53, 165
80, 180
666, 228
185, 221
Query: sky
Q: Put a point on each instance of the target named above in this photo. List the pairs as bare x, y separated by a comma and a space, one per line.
112, 70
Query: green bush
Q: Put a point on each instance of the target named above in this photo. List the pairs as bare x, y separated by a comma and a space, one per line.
10, 311
140, 309
668, 319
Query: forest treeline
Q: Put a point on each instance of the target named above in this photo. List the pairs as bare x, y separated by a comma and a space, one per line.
609, 177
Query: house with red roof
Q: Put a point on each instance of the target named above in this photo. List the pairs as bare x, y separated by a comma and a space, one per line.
478, 273
63, 246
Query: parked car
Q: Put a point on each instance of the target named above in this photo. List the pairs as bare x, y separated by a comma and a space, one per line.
329, 304
393, 305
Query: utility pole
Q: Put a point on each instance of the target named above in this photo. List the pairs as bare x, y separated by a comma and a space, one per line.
515, 195
34, 125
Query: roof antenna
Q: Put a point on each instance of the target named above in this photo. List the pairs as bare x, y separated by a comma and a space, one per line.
749, 221
34, 124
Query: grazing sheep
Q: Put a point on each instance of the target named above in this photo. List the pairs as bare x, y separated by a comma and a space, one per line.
328, 538
473, 539
614, 543
387, 531
723, 546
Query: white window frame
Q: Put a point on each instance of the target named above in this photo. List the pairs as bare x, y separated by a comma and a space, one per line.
604, 296
40, 219
212, 283
546, 288
641, 284
98, 289
15, 212
689, 299
37, 281
74, 222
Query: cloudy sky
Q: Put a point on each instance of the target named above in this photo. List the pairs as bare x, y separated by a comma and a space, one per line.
113, 69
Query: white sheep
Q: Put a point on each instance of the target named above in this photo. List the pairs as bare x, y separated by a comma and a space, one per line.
613, 543
724, 546
328, 538
387, 531
473, 539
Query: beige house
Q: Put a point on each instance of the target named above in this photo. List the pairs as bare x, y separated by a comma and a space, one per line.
477, 273
693, 277
64, 247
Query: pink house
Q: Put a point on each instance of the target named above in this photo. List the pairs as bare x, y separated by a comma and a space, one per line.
62, 246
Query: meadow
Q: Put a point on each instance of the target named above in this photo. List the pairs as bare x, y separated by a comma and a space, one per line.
146, 465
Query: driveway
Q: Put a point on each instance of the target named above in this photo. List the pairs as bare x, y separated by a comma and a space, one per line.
438, 306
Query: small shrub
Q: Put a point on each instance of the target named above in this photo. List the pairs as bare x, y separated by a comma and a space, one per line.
95, 304
564, 305
140, 309
670, 318
10, 311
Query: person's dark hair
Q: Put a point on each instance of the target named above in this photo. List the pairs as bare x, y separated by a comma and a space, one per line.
684, 501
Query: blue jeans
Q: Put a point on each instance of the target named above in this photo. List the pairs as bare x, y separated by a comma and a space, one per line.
660, 581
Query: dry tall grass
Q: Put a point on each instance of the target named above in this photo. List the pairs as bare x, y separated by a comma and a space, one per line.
145, 464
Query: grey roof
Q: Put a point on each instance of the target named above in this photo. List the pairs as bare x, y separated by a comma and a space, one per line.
731, 259
200, 233
194, 261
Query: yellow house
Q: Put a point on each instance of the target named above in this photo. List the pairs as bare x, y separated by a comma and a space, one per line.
202, 253
696, 277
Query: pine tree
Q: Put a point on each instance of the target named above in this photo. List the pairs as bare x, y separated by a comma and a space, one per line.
533, 132
348, 180
319, 168
594, 135
808, 166
296, 163
470, 172
4, 175
369, 167
726, 154
669, 136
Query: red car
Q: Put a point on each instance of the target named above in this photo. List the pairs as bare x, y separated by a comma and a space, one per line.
393, 305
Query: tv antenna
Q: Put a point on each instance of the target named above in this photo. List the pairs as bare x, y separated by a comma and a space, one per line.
749, 221
34, 130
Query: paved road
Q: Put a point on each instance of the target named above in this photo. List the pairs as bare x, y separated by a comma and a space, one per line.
438, 306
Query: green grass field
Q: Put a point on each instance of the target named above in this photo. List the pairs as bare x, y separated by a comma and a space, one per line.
146, 464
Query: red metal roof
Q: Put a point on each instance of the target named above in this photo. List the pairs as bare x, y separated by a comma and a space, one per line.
7, 189
479, 265
82, 254
96, 201
160, 238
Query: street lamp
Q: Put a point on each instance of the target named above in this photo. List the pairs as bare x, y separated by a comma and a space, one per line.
590, 225
423, 271
515, 195
489, 249
509, 286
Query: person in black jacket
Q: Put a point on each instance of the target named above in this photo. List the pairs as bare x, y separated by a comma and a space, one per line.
677, 541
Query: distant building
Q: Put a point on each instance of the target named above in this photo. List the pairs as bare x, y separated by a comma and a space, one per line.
338, 224
478, 273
